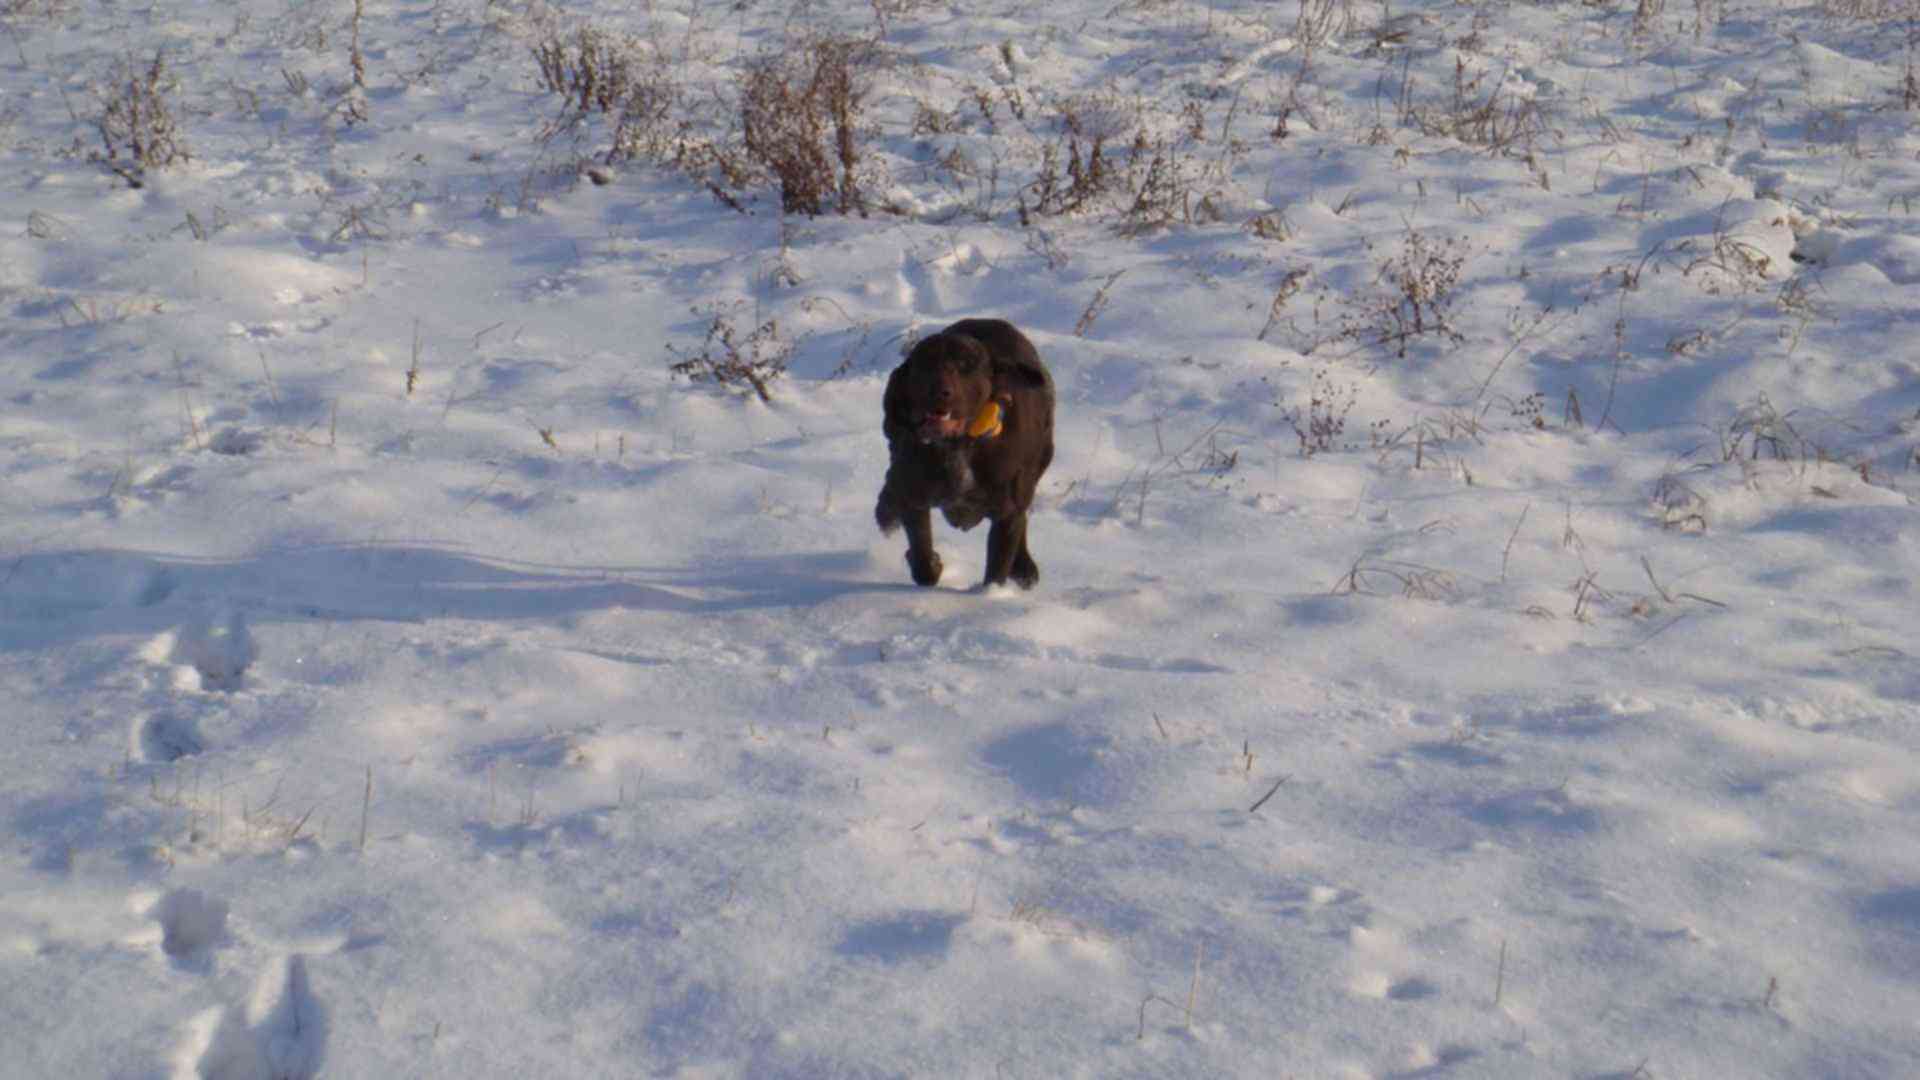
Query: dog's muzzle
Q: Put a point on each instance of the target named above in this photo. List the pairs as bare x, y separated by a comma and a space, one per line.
941, 425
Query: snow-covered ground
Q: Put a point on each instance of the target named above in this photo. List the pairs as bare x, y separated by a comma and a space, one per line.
407, 674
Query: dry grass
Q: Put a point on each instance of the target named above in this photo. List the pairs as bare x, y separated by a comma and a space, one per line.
631, 85
1320, 425
1492, 118
1413, 296
593, 71
137, 126
800, 121
1678, 505
1376, 577
727, 359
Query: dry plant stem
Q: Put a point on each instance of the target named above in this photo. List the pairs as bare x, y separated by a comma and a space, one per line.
1664, 627
293, 834
1619, 357
1585, 590
1144, 1002
484, 488
1096, 305
1270, 792
356, 59
1500, 974
1415, 581
186, 402
1193, 991
1289, 285
1507, 552
1526, 334
366, 806
1647, 565
273, 392
413, 369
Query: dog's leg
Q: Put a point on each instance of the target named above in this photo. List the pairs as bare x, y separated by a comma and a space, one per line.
886, 513
922, 560
1007, 552
1026, 573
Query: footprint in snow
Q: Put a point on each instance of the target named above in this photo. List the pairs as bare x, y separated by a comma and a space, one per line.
191, 924
210, 654
163, 737
280, 1034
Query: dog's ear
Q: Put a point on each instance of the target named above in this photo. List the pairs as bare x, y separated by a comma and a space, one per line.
1013, 374
894, 404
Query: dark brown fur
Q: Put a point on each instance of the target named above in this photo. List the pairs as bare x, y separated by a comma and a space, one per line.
943, 384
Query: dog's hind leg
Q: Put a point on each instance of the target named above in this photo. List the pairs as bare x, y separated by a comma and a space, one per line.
1007, 553
1025, 572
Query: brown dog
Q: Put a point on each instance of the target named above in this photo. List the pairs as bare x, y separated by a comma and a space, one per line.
969, 423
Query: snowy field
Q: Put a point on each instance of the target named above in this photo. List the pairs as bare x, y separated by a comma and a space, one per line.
1477, 634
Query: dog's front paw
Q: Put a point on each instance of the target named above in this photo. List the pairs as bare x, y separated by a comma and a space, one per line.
885, 515
925, 571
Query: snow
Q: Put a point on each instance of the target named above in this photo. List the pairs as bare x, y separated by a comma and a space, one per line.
408, 675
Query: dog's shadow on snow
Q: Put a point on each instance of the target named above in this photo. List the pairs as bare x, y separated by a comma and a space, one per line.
53, 596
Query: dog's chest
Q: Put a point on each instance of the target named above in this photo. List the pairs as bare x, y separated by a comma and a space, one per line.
961, 498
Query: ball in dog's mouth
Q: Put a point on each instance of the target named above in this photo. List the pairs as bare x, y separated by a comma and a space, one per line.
985, 424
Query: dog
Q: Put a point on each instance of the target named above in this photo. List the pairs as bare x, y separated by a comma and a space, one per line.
969, 425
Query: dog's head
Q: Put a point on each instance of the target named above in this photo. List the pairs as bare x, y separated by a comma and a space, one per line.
943, 388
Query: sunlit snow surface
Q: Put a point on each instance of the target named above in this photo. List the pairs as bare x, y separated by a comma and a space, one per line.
406, 675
